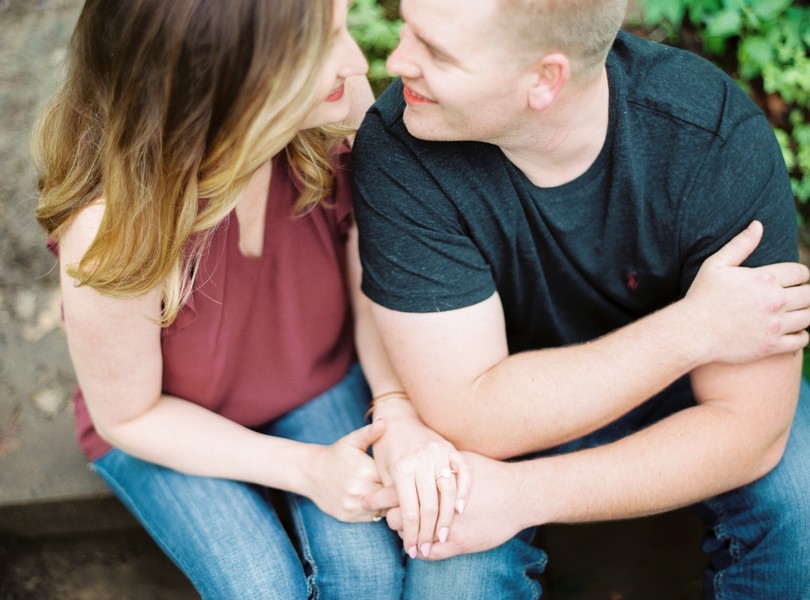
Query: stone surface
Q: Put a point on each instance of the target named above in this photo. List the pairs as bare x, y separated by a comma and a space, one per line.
39, 459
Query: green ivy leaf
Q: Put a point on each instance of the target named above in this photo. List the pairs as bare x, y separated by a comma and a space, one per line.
783, 138
801, 133
768, 10
655, 11
801, 188
699, 9
724, 24
375, 34
755, 53
735, 5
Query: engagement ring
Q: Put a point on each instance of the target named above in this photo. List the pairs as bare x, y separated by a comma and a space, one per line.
445, 473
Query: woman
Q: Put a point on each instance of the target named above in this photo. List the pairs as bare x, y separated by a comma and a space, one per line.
196, 188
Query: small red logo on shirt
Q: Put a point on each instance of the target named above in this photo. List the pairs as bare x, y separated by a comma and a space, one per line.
632, 282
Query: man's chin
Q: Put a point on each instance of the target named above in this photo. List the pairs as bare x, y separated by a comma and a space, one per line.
421, 130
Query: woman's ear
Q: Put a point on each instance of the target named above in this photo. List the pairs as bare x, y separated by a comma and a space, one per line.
549, 76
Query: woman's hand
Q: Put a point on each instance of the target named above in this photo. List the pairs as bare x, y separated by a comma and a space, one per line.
342, 474
431, 478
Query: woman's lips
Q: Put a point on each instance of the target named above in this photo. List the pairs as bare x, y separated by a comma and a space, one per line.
336, 95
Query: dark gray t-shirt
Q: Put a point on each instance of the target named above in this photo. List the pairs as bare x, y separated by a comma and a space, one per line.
688, 162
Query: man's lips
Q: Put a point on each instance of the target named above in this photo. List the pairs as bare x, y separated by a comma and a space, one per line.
412, 97
336, 95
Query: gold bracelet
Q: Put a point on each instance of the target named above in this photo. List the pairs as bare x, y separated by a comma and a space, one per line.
382, 398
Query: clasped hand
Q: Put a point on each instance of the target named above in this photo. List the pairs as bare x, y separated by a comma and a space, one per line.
342, 474
426, 477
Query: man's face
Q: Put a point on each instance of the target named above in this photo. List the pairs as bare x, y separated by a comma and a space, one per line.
460, 81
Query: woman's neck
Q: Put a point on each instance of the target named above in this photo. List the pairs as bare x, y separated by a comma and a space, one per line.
250, 212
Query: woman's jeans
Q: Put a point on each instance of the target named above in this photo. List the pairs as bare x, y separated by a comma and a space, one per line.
229, 541
758, 536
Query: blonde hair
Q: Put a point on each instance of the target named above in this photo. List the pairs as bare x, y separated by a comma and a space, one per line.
167, 110
583, 30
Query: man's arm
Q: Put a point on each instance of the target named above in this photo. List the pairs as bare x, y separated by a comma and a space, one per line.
733, 436
456, 368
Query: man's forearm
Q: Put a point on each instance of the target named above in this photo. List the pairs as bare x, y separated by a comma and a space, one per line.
539, 399
687, 457
654, 471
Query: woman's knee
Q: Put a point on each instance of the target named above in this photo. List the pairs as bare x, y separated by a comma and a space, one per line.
222, 534
355, 560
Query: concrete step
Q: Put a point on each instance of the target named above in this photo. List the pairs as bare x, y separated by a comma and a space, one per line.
45, 485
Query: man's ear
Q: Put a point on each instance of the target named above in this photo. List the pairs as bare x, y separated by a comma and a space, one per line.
549, 76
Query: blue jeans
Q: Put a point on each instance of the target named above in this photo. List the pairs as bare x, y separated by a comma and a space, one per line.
510, 571
227, 537
757, 536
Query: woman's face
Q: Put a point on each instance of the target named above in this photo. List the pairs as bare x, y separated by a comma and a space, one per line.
345, 59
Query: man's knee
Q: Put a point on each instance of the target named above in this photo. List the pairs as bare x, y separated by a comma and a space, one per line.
508, 571
759, 535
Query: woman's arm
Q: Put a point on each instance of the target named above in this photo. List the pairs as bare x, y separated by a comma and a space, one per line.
409, 455
116, 351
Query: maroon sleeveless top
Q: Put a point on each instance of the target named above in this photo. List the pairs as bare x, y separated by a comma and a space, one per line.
261, 336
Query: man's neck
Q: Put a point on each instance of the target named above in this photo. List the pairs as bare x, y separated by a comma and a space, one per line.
564, 140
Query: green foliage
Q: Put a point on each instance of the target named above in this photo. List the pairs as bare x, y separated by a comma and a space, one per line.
765, 44
377, 34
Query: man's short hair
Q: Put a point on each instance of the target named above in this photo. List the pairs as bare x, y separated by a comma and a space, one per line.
583, 30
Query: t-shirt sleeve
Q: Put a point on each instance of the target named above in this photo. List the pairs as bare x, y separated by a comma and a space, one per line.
416, 255
742, 179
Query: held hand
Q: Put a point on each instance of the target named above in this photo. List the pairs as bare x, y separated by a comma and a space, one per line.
430, 479
342, 474
749, 313
491, 516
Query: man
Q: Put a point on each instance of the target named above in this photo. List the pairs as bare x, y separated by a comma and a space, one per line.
541, 185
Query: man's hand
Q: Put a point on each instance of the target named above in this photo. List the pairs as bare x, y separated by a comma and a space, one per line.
746, 314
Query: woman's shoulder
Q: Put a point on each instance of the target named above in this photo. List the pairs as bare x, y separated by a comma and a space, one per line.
80, 232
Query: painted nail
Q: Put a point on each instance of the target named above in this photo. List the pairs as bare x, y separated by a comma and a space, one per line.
460, 505
443, 532
412, 551
426, 549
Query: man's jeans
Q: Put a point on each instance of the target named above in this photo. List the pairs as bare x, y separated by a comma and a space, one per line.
758, 536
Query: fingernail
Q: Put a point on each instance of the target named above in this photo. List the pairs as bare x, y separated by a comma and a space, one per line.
412, 551
460, 505
426, 549
443, 532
